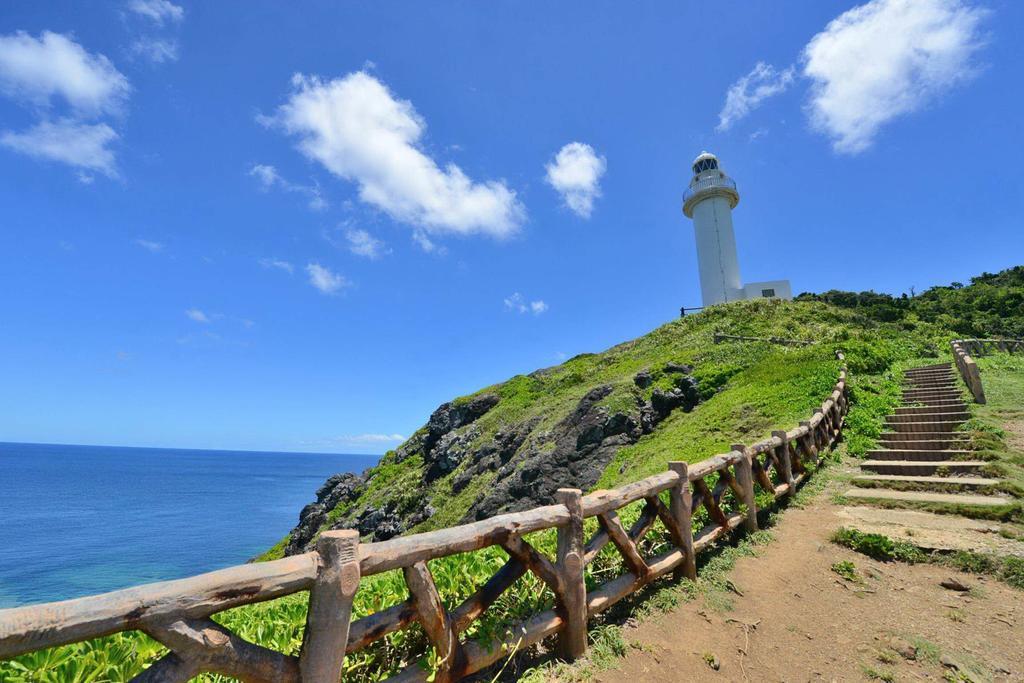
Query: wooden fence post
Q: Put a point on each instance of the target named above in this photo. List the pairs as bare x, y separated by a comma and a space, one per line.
809, 443
745, 478
572, 642
821, 433
680, 507
785, 464
330, 606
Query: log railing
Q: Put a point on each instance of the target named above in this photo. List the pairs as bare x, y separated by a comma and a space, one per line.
962, 348
177, 613
719, 338
981, 347
968, 370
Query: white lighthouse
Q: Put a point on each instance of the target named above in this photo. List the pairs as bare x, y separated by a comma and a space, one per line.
709, 201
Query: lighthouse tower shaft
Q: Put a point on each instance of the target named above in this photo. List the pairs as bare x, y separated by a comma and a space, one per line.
709, 201
716, 251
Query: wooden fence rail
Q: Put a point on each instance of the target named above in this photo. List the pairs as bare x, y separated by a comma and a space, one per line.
979, 347
177, 613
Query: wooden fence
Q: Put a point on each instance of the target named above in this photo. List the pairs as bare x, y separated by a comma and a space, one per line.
979, 347
177, 613
719, 338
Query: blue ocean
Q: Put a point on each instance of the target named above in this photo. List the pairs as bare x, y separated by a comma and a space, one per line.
76, 520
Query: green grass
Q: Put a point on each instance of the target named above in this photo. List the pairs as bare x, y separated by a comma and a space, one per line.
1007, 568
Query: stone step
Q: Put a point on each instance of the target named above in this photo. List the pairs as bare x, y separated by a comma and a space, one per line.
933, 366
924, 481
926, 372
921, 427
943, 385
913, 454
922, 445
951, 392
931, 408
922, 467
926, 497
939, 406
931, 416
938, 403
930, 377
926, 436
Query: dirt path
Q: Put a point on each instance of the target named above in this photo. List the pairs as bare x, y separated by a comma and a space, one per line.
797, 620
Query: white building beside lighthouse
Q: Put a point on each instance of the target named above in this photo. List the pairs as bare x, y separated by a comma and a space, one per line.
709, 201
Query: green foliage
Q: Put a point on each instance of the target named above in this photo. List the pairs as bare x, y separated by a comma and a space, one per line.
1006, 568
847, 570
878, 546
992, 305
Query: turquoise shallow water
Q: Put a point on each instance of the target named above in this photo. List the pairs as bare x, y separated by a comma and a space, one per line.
76, 520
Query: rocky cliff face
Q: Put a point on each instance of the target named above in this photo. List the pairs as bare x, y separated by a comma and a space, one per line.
524, 462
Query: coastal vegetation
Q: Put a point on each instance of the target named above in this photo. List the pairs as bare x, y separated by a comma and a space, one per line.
596, 421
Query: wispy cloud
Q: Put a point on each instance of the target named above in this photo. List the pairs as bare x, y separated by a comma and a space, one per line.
158, 11
747, 93
85, 146
359, 131
269, 178
325, 280
279, 264
885, 59
53, 66
197, 315
362, 243
155, 36
156, 50
576, 174
517, 303
149, 245
52, 73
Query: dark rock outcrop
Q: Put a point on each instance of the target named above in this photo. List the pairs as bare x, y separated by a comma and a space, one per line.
338, 489
528, 464
451, 416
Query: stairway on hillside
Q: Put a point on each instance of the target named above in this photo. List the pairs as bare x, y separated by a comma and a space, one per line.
923, 457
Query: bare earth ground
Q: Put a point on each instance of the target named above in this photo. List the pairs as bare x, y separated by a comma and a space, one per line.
797, 620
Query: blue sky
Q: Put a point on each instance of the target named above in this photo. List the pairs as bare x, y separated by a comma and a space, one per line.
304, 227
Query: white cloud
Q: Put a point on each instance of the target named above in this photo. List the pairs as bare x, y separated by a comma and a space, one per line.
278, 264
53, 65
326, 281
362, 243
884, 59
517, 303
747, 93
269, 178
157, 10
82, 145
156, 50
576, 174
266, 174
149, 245
197, 315
361, 132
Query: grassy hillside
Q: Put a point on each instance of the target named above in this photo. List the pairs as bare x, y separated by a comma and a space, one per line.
601, 407
723, 393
